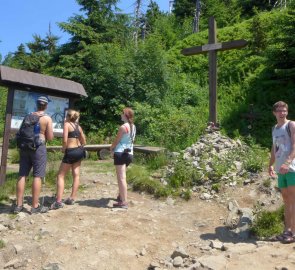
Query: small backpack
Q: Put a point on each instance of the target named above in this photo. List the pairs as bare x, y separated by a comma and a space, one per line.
25, 137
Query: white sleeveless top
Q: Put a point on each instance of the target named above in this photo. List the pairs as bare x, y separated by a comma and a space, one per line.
282, 143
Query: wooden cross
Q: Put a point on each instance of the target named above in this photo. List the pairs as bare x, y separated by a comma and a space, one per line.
212, 47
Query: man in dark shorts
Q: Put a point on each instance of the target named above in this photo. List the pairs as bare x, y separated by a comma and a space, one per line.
35, 159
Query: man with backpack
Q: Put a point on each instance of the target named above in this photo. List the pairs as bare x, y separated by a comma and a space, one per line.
35, 130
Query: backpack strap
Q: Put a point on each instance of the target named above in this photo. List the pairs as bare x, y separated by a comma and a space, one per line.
288, 129
126, 128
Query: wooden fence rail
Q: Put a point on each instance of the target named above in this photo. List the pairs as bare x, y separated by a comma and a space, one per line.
99, 147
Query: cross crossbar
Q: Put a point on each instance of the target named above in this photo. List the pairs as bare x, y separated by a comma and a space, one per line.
235, 44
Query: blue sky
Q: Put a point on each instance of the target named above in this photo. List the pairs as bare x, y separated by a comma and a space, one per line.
21, 19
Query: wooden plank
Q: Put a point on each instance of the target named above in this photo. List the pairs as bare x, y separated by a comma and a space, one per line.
235, 44
149, 149
6, 135
211, 47
98, 147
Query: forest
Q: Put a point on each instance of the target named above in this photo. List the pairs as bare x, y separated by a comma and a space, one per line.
135, 60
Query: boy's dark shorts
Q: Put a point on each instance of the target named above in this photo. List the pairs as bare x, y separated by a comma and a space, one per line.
36, 159
122, 158
73, 155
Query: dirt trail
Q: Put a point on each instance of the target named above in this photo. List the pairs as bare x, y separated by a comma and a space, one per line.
92, 235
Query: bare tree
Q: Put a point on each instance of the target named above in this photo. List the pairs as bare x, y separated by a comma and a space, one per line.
196, 25
137, 5
280, 3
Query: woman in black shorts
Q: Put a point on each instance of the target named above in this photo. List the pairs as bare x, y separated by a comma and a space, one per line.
72, 147
122, 148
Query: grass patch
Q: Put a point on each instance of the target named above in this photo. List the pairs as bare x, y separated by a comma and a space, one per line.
185, 175
99, 167
9, 186
255, 159
151, 161
139, 178
268, 223
2, 244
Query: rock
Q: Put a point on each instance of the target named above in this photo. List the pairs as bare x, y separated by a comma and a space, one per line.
179, 251
213, 262
195, 266
216, 245
18, 248
170, 201
3, 228
205, 196
177, 261
154, 265
21, 216
142, 252
15, 263
53, 266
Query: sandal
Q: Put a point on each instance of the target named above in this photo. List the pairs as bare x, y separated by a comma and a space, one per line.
282, 236
121, 205
70, 201
288, 240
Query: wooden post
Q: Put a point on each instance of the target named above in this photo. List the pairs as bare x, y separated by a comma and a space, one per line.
212, 73
6, 135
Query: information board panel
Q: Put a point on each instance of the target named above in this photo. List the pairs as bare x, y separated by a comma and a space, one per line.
24, 102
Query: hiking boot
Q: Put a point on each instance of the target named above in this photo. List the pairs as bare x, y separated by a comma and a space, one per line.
70, 201
56, 205
121, 205
40, 209
17, 209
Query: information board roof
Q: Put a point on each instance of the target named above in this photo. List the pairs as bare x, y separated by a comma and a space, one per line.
9, 76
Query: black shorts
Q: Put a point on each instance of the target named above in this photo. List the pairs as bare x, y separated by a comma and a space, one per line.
73, 155
122, 158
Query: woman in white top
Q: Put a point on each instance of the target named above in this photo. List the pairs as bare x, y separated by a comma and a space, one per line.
122, 148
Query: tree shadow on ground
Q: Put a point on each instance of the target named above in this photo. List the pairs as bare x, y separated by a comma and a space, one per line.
5, 208
225, 235
100, 203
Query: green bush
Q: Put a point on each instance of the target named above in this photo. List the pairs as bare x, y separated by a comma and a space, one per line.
186, 194
216, 187
267, 223
255, 159
185, 175
220, 167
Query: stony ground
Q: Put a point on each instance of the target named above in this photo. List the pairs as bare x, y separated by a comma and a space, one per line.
154, 234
